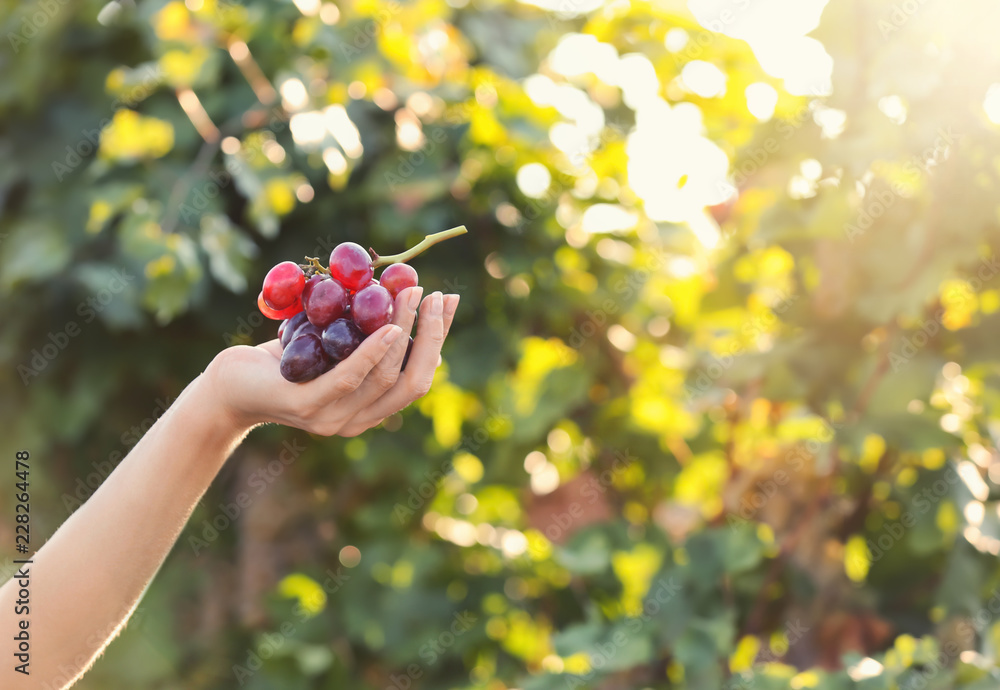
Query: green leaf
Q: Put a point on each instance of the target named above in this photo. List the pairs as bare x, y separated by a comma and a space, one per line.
741, 548
33, 251
229, 251
588, 552
577, 638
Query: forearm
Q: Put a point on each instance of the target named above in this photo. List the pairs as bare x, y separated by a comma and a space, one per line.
89, 576
87, 579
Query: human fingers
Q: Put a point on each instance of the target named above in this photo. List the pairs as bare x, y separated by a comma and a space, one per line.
345, 378
450, 307
272, 347
382, 377
416, 381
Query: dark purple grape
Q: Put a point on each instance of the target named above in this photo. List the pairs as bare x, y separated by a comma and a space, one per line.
341, 338
303, 359
328, 301
406, 357
371, 308
306, 329
289, 327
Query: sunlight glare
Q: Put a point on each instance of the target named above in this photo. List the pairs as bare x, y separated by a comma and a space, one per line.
294, 96
601, 218
533, 180
991, 104
776, 31
704, 79
761, 100
343, 130
307, 128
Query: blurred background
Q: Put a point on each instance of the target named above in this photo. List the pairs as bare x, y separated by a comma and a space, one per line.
719, 408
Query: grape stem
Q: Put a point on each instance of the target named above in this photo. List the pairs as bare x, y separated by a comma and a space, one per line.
313, 266
413, 251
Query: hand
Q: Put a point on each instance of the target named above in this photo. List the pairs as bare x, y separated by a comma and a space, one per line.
354, 396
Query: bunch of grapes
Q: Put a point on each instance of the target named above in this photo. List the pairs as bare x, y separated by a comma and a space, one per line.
326, 313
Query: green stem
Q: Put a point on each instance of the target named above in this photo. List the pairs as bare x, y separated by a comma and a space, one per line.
413, 251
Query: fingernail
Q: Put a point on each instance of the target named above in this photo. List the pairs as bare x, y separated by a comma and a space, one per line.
415, 295
451, 306
437, 304
391, 336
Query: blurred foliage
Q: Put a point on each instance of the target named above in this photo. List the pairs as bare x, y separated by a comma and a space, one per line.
752, 447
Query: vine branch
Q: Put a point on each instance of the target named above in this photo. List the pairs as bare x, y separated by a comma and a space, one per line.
413, 251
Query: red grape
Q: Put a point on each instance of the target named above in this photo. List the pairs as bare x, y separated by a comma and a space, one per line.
290, 327
370, 282
340, 339
303, 359
327, 302
278, 314
351, 265
371, 308
310, 286
283, 285
398, 277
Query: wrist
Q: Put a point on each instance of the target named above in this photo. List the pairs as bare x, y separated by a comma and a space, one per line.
217, 397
